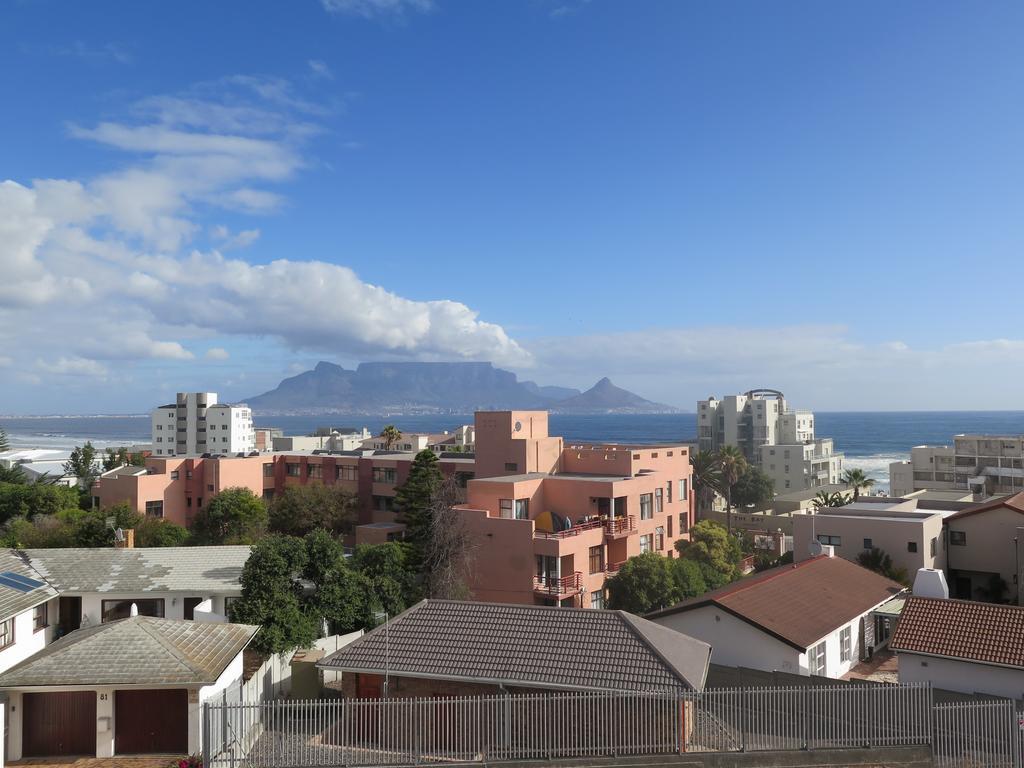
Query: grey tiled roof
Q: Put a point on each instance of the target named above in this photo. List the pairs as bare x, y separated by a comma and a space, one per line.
149, 569
530, 646
13, 601
136, 651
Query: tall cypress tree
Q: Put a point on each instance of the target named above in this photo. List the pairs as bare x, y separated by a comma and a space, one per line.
413, 498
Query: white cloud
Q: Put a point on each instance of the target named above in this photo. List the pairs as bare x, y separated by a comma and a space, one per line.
320, 68
226, 240
217, 353
370, 8
72, 366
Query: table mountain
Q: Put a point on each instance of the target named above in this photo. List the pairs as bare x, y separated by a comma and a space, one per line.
436, 387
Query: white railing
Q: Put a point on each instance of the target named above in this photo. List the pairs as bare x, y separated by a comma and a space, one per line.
479, 729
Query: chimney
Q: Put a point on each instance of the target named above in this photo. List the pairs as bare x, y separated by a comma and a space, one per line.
930, 582
124, 538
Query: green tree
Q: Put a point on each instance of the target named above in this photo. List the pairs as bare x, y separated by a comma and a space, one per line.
301, 509
754, 488
390, 572
449, 547
707, 479
33, 499
858, 481
271, 596
82, 464
688, 577
157, 532
414, 497
826, 499
14, 474
877, 560
716, 552
732, 464
233, 516
95, 527
113, 459
391, 435
643, 584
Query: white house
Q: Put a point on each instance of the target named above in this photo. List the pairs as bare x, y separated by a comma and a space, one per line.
196, 423
962, 645
817, 617
25, 600
129, 687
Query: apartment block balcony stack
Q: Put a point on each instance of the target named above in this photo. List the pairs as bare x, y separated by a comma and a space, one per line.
561, 587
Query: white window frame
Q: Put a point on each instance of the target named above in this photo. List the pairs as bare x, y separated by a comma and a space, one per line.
817, 661
846, 643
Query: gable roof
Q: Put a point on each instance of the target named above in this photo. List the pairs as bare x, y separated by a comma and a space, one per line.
146, 569
1014, 502
137, 651
528, 646
801, 603
14, 601
962, 629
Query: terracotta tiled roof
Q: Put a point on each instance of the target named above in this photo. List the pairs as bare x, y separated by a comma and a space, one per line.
1014, 502
801, 603
529, 646
962, 629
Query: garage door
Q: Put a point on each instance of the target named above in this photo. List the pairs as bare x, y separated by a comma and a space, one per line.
58, 724
151, 722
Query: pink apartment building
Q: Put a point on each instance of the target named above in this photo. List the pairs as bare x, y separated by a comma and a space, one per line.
552, 520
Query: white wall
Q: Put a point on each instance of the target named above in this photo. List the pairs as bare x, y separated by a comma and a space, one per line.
962, 676
734, 642
231, 676
26, 640
174, 603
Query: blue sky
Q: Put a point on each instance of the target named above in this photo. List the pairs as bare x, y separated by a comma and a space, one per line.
690, 198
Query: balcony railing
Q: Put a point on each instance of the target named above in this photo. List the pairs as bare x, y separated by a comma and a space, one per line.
612, 568
576, 530
619, 526
558, 586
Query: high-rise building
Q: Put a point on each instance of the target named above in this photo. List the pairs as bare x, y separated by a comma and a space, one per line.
777, 440
981, 464
196, 424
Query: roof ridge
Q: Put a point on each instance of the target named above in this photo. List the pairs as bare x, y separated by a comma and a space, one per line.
743, 584
142, 623
627, 619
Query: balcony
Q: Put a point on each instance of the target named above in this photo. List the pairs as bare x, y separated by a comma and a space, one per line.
553, 586
576, 530
613, 568
619, 527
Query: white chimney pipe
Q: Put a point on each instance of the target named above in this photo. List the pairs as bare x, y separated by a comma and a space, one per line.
134, 610
930, 582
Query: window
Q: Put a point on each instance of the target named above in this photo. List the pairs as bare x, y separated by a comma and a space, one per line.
958, 537
684, 520
188, 473
668, 522
668, 492
868, 544
174, 474
188, 502
210, 487
315, 471
659, 501
383, 503
112, 610
596, 559
646, 543
911, 546
7, 634
511, 467
933, 545
597, 599
385, 475
346, 472
832, 541
199, 502
505, 508
155, 508
522, 509
845, 646
291, 469
159, 439
816, 659
683, 489
159, 426
659, 538
268, 469
646, 504
39, 618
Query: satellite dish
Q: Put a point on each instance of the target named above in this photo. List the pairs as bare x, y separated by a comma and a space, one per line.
816, 548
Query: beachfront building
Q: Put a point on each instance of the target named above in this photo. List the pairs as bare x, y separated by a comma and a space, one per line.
930, 467
986, 465
197, 424
772, 437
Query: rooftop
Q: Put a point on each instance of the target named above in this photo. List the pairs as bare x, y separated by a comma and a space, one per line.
528, 646
136, 651
962, 629
1014, 502
150, 569
799, 604
16, 598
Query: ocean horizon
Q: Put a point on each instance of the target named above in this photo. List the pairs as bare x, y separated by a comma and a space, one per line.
870, 440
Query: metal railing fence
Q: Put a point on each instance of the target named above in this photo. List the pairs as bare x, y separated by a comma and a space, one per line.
982, 734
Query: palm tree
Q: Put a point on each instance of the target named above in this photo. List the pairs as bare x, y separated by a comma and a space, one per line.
391, 435
732, 464
706, 479
826, 499
858, 481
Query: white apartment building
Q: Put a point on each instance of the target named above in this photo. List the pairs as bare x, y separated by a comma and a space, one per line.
777, 440
982, 464
196, 424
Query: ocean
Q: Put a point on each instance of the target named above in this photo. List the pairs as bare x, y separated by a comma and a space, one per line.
870, 440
